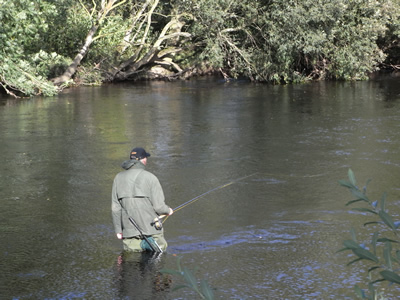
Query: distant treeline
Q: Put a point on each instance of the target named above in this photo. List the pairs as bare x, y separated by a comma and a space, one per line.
48, 45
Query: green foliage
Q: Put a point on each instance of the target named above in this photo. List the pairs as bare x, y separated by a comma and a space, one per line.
203, 290
389, 43
263, 40
87, 75
292, 41
353, 43
320, 39
48, 65
20, 77
110, 37
221, 34
383, 254
23, 22
69, 27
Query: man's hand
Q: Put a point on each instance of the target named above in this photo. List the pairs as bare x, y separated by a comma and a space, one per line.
119, 236
171, 211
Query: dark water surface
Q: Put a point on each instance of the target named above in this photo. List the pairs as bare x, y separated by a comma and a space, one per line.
273, 235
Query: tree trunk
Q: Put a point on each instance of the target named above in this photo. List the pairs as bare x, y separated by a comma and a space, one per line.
155, 53
72, 68
106, 7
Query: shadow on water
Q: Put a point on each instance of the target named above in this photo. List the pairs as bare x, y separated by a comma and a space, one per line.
138, 276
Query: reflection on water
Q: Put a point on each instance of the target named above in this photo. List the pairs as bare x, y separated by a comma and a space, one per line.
273, 234
138, 276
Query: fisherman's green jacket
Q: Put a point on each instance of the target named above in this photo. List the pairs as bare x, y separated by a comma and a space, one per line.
138, 194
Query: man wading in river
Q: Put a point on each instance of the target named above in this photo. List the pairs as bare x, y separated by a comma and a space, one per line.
137, 200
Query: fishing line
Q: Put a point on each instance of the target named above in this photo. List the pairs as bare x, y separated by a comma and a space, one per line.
202, 195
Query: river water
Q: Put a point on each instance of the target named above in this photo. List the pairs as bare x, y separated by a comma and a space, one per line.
272, 235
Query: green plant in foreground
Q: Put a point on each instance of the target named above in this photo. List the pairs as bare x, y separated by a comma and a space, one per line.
203, 290
383, 254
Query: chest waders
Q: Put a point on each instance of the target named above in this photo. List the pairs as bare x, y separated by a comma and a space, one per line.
148, 243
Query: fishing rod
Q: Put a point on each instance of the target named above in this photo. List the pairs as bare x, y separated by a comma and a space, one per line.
155, 248
212, 190
158, 222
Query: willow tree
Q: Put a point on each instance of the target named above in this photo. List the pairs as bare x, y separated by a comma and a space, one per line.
148, 47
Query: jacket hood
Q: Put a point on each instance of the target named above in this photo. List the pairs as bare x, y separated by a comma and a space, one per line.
131, 163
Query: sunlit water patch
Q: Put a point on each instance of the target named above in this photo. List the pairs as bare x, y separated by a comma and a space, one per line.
275, 235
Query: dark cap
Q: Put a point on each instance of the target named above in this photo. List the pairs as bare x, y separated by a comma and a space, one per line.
138, 153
